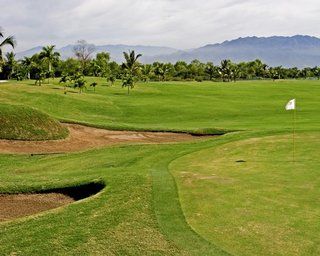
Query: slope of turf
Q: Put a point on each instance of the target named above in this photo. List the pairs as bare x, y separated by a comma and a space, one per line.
25, 123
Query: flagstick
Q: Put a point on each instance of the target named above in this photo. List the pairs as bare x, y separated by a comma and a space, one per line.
294, 134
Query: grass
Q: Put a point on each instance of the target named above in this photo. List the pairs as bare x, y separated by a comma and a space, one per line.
122, 219
264, 206
175, 106
162, 199
25, 123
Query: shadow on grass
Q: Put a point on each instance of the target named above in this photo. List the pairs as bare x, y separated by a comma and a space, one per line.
276, 161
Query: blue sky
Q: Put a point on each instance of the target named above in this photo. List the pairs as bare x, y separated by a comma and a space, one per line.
177, 23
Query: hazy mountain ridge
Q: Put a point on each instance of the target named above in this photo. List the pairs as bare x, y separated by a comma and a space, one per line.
116, 51
300, 51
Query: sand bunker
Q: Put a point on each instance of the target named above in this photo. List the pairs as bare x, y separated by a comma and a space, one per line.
82, 138
13, 206
16, 206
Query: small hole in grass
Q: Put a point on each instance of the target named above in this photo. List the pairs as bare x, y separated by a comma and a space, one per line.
240, 161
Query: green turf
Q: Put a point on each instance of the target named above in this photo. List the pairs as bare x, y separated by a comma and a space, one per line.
139, 211
249, 105
266, 205
25, 123
121, 220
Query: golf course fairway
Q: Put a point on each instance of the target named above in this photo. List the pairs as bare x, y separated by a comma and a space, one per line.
235, 194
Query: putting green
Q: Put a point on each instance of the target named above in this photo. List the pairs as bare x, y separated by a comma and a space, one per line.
249, 197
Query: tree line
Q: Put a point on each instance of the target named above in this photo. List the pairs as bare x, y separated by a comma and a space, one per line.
48, 64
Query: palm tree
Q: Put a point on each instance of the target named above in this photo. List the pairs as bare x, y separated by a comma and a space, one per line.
159, 70
27, 63
7, 41
80, 83
111, 79
146, 72
10, 63
235, 72
225, 70
162, 69
64, 79
49, 55
131, 63
131, 67
211, 70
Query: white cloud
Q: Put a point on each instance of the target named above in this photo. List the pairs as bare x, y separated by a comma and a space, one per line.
176, 23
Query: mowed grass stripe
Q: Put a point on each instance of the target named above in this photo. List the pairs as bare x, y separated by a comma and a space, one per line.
171, 218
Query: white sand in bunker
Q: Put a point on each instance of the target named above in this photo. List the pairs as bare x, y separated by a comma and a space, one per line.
84, 138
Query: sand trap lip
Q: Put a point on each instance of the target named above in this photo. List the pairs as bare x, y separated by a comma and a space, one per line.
15, 206
83, 138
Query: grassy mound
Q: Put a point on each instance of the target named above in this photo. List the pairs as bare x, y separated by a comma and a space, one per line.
24, 123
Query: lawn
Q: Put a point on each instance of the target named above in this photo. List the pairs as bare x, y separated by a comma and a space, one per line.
266, 205
176, 199
256, 105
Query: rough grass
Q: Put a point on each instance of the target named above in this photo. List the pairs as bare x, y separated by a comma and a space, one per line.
25, 123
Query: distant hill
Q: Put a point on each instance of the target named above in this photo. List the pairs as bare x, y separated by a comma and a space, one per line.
116, 51
299, 51
28, 53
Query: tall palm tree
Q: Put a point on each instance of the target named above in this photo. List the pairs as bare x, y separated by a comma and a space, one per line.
49, 55
225, 70
27, 63
131, 67
7, 41
10, 63
131, 63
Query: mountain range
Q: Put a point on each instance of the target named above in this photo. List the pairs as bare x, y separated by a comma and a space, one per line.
295, 51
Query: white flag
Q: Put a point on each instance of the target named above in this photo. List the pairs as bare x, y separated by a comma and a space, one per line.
291, 105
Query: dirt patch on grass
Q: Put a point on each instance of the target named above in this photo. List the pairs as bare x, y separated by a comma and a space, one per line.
20, 205
83, 138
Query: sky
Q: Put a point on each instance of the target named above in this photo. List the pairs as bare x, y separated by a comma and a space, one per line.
182, 24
